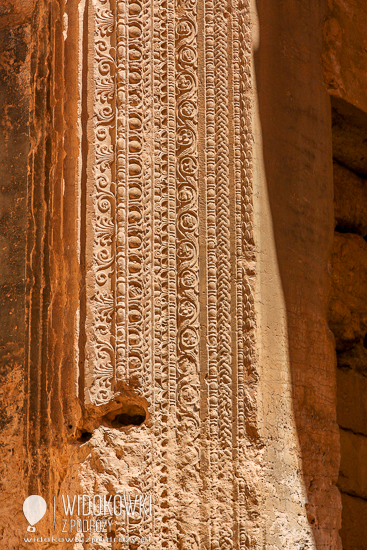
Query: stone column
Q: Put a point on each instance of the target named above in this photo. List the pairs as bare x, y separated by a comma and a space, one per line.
167, 316
141, 364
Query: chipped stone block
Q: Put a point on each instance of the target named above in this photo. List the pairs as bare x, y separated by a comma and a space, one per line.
350, 200
353, 465
349, 135
348, 299
352, 401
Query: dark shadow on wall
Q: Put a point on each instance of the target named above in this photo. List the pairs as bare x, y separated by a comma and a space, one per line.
348, 313
296, 131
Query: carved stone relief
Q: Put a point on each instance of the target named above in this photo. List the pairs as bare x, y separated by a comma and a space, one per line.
169, 253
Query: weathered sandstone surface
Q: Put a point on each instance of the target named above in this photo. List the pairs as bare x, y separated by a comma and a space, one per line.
15, 42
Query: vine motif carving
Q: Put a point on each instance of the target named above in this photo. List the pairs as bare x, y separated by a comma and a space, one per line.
102, 309
187, 232
145, 310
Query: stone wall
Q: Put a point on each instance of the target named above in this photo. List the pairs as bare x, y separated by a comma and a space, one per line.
344, 63
348, 312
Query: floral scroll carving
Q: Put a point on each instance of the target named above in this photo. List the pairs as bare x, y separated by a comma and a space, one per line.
170, 254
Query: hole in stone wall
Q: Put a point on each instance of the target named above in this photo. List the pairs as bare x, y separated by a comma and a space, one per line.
129, 414
85, 436
339, 228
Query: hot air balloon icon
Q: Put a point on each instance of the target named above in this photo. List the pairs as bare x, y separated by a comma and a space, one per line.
34, 508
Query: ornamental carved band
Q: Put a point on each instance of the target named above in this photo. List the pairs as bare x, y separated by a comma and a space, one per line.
169, 253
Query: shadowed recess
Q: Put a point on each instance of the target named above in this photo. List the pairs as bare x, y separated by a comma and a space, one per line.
128, 415
85, 436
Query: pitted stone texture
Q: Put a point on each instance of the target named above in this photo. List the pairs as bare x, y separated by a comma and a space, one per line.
113, 463
15, 12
